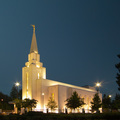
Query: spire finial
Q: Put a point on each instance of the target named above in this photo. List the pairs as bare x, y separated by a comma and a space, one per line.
34, 42
33, 27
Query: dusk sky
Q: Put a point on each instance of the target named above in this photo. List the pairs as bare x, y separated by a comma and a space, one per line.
78, 40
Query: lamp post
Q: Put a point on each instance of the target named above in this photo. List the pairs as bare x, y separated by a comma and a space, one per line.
17, 84
98, 84
109, 102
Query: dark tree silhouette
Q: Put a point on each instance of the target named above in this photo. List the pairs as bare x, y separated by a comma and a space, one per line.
106, 102
96, 103
116, 102
74, 101
20, 94
4, 102
29, 103
118, 74
14, 93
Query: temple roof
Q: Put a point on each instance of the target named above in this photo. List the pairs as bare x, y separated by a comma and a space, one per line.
34, 42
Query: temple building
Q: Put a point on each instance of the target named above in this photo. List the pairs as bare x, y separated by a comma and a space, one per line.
36, 86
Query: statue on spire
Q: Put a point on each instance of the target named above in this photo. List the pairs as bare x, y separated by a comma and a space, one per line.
33, 27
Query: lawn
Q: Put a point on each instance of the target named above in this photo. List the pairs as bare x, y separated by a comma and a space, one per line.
52, 116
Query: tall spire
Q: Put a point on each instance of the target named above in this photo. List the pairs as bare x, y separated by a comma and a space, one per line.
34, 42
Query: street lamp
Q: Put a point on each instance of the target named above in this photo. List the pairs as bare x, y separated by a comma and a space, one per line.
109, 96
109, 102
98, 84
17, 84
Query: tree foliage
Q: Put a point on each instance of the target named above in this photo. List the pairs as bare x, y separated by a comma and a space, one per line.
74, 101
51, 104
18, 103
117, 97
15, 94
106, 101
4, 99
29, 103
20, 94
118, 74
96, 103
116, 102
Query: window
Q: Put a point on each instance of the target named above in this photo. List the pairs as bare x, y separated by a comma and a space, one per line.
27, 80
27, 84
38, 75
53, 96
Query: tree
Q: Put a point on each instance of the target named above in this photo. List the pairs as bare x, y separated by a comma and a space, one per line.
33, 103
14, 92
106, 101
96, 103
20, 94
118, 74
117, 97
74, 101
4, 99
51, 104
18, 103
116, 102
27, 103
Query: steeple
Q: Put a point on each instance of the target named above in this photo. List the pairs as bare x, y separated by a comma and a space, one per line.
34, 42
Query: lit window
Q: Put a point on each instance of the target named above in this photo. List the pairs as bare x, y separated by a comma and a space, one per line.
27, 80
53, 96
38, 75
27, 84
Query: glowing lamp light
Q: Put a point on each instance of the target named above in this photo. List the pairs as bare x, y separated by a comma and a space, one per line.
110, 96
37, 66
17, 84
98, 84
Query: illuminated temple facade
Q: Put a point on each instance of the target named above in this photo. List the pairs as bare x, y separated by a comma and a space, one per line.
36, 86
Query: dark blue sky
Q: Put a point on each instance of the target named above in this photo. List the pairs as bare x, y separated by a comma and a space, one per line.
78, 40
